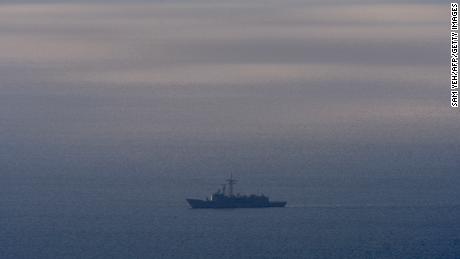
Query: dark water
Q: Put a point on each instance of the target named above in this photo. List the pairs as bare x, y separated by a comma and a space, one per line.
112, 114
93, 221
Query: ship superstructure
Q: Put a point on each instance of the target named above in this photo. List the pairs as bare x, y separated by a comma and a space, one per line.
224, 198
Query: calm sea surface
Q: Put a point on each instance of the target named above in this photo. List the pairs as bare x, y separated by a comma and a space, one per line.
112, 114
86, 223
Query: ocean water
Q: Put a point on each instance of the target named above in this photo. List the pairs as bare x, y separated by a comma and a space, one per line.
58, 220
113, 113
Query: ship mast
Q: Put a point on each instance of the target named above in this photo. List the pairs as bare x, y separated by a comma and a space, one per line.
231, 182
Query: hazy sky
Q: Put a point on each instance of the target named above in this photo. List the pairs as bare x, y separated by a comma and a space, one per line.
196, 88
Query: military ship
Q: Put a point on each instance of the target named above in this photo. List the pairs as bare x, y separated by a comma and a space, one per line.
223, 199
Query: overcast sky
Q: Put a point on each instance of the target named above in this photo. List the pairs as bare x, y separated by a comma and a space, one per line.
301, 86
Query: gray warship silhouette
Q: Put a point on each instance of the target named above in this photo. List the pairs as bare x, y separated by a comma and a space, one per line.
225, 200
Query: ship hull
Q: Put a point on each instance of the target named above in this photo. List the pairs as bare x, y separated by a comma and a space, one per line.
207, 204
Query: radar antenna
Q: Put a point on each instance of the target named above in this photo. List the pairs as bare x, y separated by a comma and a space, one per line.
231, 182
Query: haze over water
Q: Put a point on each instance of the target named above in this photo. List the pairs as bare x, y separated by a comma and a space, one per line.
112, 113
